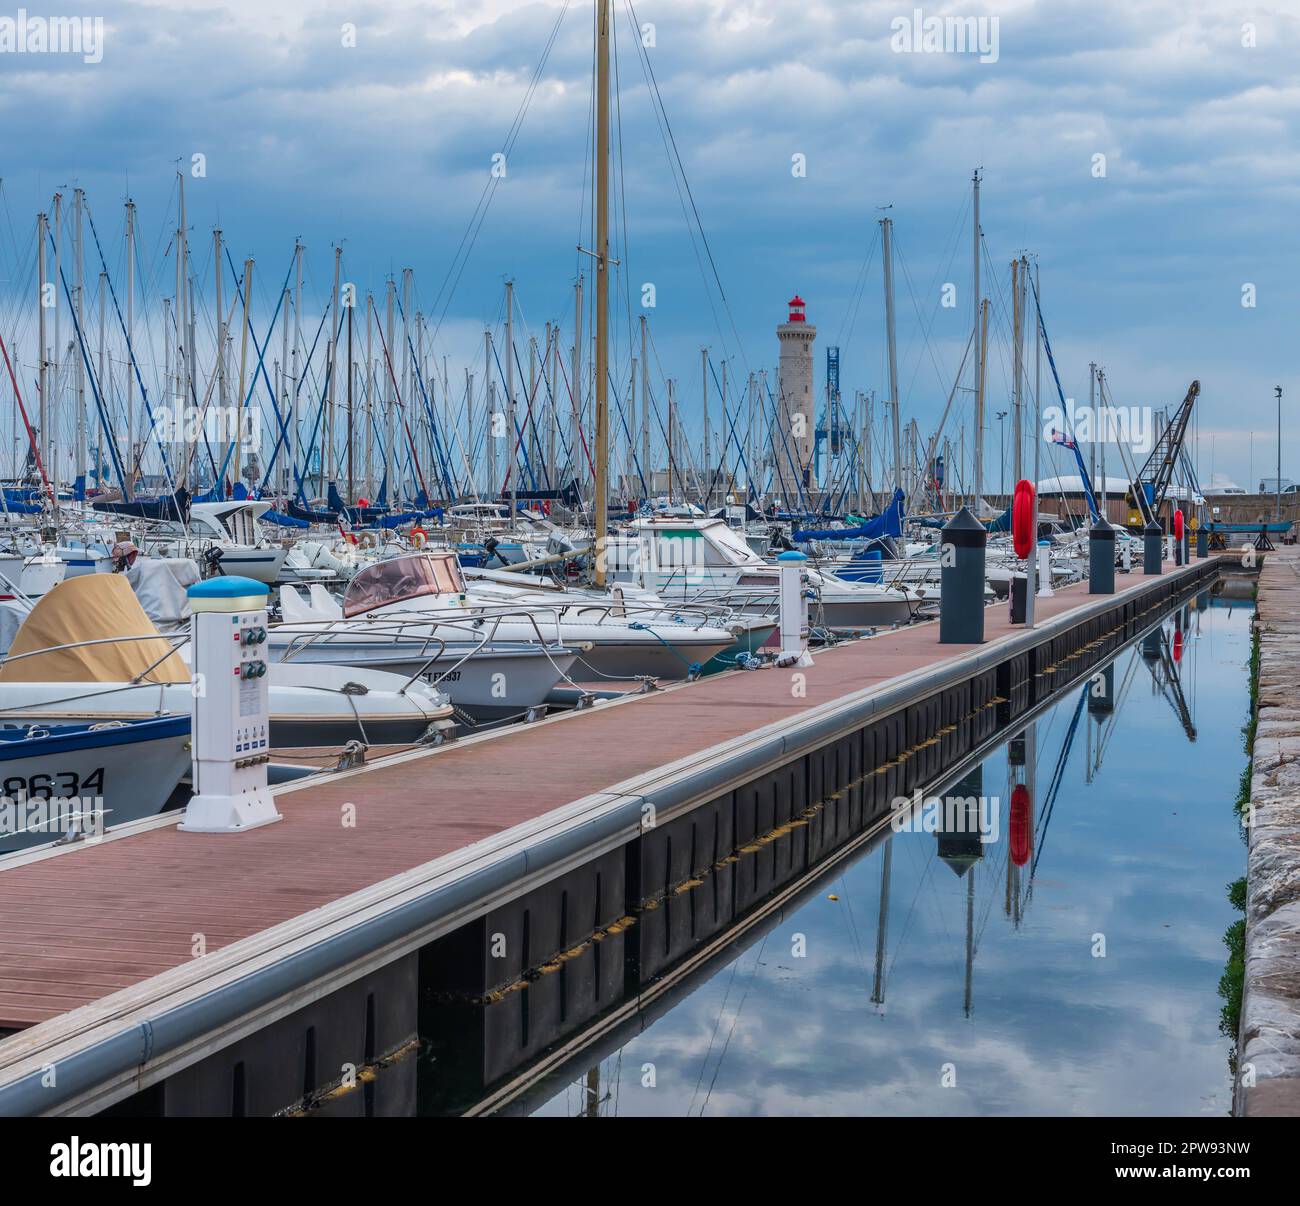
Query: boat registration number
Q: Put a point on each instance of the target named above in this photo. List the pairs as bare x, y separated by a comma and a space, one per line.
62, 784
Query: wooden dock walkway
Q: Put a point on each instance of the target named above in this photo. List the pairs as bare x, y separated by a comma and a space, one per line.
528, 879
87, 922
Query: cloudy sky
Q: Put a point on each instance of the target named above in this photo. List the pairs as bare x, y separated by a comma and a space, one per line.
387, 144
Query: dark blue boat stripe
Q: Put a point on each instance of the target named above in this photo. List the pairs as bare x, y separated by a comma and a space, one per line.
61, 741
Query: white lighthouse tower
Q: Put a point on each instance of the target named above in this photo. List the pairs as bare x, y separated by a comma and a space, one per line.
793, 444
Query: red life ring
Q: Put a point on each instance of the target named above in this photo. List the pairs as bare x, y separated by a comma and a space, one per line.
1019, 831
419, 538
1178, 524
1022, 518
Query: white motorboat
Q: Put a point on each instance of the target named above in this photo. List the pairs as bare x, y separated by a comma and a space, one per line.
700, 561
87, 652
421, 600
224, 536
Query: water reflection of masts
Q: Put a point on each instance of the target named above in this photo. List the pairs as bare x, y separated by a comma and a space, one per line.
1164, 672
961, 846
878, 987
1108, 719
1058, 775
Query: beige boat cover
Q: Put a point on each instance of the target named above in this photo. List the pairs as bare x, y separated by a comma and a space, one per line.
88, 608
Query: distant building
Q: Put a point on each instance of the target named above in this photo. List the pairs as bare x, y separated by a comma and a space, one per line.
794, 442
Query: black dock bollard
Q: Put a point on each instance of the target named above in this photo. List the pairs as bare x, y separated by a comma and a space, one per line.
1018, 594
961, 580
1151, 551
1101, 559
1202, 542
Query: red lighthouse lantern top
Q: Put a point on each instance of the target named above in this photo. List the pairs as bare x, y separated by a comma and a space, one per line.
797, 309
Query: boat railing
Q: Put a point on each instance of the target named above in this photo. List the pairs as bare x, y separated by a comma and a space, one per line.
640, 612
479, 626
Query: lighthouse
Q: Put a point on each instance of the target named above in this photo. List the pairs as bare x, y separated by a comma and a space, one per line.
793, 444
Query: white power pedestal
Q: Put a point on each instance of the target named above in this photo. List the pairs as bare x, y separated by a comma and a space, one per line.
231, 722
793, 609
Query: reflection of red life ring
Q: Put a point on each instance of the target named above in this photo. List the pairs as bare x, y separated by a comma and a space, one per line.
1022, 518
419, 538
1020, 825
1178, 646
1178, 525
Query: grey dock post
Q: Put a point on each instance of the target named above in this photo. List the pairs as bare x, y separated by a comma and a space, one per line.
1202, 541
961, 580
1101, 559
1151, 551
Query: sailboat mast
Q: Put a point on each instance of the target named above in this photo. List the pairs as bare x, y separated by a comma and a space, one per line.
603, 18
1018, 340
294, 450
979, 343
238, 425
327, 462
79, 471
646, 467
708, 451
43, 442
352, 481
983, 345
285, 306
512, 453
887, 256
223, 391
130, 343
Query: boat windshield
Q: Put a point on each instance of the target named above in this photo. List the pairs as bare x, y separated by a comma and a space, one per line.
401, 579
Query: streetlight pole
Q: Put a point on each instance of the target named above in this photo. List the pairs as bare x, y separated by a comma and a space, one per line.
1277, 389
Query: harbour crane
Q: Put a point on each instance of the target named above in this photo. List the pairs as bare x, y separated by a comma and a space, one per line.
1147, 492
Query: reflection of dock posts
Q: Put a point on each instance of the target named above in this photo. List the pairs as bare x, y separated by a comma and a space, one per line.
959, 846
958, 832
1151, 552
1151, 644
1101, 691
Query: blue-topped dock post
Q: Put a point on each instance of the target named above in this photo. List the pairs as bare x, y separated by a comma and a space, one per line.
230, 734
961, 580
793, 601
1151, 551
1202, 541
1101, 559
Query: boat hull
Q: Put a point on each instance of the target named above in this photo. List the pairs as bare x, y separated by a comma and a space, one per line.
93, 778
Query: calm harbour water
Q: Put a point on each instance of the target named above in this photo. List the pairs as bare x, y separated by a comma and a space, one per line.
995, 996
